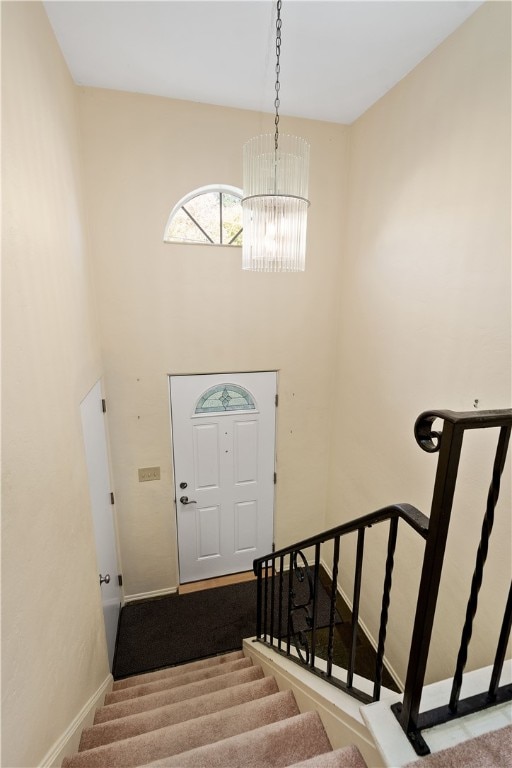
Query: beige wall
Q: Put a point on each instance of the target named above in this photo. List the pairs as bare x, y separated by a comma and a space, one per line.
53, 645
410, 310
167, 309
425, 300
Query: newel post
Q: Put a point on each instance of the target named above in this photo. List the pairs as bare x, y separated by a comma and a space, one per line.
449, 444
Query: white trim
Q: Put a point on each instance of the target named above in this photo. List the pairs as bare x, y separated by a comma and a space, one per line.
339, 712
224, 188
392, 743
212, 414
68, 742
150, 595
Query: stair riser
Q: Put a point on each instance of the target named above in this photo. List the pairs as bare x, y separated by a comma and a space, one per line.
274, 746
173, 695
172, 714
173, 682
228, 720
193, 666
173, 740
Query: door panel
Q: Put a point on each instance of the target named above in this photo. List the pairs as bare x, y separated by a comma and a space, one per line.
246, 515
206, 455
98, 472
223, 428
246, 451
209, 532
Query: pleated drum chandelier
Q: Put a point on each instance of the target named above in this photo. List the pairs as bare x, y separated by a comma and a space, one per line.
275, 202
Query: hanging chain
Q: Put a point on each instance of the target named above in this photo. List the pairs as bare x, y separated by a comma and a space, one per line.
277, 102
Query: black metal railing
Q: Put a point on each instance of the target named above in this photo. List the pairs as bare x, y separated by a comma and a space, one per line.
290, 615
449, 445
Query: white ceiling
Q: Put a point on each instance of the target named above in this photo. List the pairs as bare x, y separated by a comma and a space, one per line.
338, 57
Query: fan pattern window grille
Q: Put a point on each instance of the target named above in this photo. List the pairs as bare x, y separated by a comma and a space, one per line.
210, 215
225, 397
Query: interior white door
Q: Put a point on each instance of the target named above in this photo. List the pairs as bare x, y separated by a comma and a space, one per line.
96, 455
223, 431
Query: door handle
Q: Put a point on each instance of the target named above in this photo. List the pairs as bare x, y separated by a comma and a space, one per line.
104, 579
184, 500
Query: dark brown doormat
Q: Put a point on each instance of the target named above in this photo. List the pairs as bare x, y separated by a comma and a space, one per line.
172, 630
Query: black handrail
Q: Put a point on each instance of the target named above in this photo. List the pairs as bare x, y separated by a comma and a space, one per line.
416, 519
299, 573
448, 443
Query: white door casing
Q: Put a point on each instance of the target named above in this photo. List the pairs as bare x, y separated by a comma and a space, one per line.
98, 471
225, 512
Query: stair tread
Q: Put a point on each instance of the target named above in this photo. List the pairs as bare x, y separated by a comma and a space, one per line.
173, 695
174, 739
181, 669
171, 682
346, 757
276, 745
171, 714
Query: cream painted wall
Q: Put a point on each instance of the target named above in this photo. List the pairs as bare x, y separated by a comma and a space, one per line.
425, 317
168, 309
53, 642
410, 311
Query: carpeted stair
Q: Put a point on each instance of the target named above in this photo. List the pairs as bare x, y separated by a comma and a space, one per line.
220, 712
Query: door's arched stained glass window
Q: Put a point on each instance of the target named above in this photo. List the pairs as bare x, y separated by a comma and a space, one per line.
211, 215
225, 397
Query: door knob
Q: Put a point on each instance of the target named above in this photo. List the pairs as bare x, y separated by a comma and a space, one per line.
185, 500
104, 579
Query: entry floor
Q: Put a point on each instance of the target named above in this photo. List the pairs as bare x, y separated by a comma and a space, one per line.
365, 654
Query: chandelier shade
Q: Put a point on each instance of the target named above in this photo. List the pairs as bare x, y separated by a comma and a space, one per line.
275, 203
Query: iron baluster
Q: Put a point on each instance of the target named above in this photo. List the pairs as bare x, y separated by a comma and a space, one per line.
355, 606
258, 573
272, 599
334, 588
265, 603
379, 663
315, 605
414, 518
290, 597
280, 605
476, 582
303, 574
502, 648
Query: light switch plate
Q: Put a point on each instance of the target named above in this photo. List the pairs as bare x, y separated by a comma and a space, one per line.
149, 473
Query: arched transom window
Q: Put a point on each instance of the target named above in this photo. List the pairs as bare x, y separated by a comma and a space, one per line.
210, 215
225, 397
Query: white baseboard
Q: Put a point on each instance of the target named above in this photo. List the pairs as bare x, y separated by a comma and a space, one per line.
67, 744
150, 595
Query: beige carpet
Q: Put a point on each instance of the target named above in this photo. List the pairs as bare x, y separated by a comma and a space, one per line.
491, 750
221, 712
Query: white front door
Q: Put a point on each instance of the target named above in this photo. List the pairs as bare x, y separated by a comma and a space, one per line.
96, 456
223, 432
